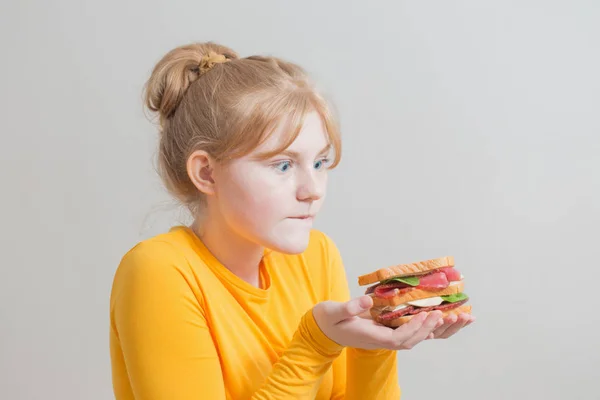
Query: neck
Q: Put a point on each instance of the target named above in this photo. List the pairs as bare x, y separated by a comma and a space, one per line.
237, 254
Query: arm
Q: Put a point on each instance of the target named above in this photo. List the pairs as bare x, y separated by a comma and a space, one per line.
366, 374
162, 331
167, 346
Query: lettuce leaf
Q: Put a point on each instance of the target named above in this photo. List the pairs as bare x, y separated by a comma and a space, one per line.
453, 298
409, 280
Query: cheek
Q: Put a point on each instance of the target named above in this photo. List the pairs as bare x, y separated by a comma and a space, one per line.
323, 183
254, 199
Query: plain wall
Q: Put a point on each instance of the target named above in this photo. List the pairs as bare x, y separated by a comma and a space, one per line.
470, 129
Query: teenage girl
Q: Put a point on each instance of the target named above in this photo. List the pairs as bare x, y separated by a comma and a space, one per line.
249, 301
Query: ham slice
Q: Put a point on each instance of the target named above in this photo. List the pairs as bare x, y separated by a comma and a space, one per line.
390, 290
451, 273
437, 280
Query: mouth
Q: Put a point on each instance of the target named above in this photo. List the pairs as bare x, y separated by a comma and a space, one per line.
304, 217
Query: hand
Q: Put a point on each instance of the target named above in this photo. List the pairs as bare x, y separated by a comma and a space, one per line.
451, 324
341, 323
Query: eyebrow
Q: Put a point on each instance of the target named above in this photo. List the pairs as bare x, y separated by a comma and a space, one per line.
293, 153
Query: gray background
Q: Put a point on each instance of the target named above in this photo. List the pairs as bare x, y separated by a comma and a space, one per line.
471, 128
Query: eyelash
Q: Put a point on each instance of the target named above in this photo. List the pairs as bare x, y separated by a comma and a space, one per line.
324, 161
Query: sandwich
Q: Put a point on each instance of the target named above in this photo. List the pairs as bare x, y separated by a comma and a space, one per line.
402, 291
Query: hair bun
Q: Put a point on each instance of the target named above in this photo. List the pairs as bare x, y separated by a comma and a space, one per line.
177, 70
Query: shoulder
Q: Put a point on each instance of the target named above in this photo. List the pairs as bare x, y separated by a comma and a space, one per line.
322, 251
322, 245
156, 271
153, 276
326, 266
153, 260
156, 250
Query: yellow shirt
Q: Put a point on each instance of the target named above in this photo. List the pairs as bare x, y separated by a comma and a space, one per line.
182, 326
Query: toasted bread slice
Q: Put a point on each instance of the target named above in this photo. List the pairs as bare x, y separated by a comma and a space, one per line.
405, 270
394, 323
417, 294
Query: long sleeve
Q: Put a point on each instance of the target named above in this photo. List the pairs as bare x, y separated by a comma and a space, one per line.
366, 374
299, 371
162, 347
163, 339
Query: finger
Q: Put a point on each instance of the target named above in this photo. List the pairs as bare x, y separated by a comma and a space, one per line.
403, 332
455, 327
447, 321
471, 320
341, 311
428, 326
365, 315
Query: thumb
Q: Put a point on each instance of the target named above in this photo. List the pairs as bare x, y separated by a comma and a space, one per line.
352, 308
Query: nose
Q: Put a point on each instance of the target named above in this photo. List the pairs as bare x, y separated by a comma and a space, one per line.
311, 186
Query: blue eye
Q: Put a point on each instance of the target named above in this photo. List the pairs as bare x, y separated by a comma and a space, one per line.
319, 164
283, 166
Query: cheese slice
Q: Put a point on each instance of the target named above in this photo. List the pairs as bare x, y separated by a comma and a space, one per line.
428, 302
391, 308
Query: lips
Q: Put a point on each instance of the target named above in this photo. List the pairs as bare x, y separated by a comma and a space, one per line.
303, 217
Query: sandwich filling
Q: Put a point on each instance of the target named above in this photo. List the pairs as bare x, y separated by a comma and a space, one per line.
445, 303
437, 279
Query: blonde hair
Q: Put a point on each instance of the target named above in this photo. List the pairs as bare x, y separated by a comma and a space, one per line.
208, 98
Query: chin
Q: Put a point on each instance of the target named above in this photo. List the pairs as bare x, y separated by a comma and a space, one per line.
292, 243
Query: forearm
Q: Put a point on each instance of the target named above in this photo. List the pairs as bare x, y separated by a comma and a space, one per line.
300, 369
371, 374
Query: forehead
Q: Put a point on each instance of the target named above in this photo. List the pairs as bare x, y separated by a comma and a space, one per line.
311, 138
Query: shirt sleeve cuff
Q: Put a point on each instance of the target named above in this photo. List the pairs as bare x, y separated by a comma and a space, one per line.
313, 335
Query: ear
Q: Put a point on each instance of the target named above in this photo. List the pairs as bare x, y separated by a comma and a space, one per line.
200, 169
